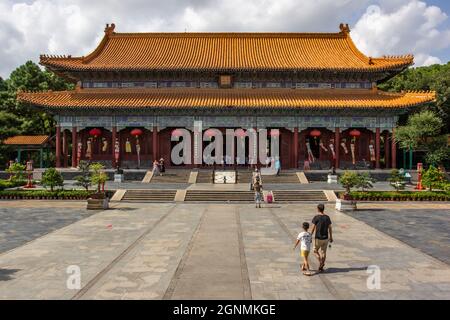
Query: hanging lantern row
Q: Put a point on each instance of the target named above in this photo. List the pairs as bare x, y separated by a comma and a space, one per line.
355, 133
136, 132
95, 132
315, 133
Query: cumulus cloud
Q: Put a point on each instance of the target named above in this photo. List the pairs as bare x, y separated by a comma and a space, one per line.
410, 27
31, 27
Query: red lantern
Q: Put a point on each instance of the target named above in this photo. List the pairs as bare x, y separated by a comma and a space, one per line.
136, 132
315, 133
355, 133
95, 132
176, 133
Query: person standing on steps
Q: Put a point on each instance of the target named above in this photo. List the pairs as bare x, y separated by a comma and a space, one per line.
162, 168
257, 187
323, 235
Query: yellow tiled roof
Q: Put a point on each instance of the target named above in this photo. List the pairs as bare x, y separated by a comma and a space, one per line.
227, 51
26, 140
222, 98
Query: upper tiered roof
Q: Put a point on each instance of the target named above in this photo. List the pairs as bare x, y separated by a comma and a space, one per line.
227, 52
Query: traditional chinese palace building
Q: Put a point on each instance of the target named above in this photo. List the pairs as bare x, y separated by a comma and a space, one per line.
318, 89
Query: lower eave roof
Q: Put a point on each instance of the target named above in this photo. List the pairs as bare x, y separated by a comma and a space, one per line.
172, 98
26, 140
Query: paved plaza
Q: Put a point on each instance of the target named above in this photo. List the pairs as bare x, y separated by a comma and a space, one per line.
221, 251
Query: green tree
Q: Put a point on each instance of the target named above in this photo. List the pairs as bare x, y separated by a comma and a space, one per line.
349, 180
364, 181
84, 179
17, 171
432, 177
98, 177
423, 131
397, 180
52, 178
435, 77
18, 118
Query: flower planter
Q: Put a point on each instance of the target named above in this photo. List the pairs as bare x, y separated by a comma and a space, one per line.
97, 204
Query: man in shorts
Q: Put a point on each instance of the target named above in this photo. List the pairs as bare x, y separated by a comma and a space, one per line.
323, 235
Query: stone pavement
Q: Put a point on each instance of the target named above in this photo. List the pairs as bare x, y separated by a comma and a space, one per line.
170, 251
421, 225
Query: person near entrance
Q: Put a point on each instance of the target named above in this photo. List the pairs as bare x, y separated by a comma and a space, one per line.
162, 167
323, 235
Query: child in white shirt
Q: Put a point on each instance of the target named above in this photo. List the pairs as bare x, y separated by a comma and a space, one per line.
305, 240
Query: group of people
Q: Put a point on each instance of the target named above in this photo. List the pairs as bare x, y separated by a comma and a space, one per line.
158, 167
322, 240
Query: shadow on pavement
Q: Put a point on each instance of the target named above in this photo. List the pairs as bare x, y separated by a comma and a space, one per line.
5, 274
340, 270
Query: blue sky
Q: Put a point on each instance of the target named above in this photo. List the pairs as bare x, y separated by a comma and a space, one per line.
29, 28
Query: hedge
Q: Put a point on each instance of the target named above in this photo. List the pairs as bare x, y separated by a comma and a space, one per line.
5, 184
400, 196
44, 194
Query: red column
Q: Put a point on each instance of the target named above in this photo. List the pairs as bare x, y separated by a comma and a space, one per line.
155, 143
58, 147
113, 146
377, 148
295, 147
337, 139
387, 153
74, 147
65, 149
394, 149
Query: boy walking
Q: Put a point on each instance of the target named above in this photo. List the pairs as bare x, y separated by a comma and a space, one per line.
305, 239
322, 228
257, 187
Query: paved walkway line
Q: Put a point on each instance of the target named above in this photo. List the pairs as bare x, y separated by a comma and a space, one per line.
173, 282
180, 195
193, 177
331, 196
148, 177
212, 267
302, 177
118, 195
244, 269
136, 242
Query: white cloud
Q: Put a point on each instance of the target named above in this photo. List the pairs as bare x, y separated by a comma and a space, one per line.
31, 27
411, 27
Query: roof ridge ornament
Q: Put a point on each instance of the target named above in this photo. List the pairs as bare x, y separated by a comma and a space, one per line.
109, 30
345, 29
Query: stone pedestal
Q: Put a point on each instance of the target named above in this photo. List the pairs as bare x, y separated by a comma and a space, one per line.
118, 178
345, 205
97, 204
332, 178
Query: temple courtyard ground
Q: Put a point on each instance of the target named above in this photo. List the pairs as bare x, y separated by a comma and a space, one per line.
219, 251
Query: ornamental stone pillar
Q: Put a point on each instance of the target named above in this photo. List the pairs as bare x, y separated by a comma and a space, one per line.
377, 148
74, 147
58, 147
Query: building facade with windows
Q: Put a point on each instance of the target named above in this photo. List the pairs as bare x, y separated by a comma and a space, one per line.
135, 89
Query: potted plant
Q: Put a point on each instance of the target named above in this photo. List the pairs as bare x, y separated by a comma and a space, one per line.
98, 200
84, 179
348, 180
52, 178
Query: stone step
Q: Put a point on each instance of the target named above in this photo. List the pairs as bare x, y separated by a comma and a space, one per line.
149, 195
172, 176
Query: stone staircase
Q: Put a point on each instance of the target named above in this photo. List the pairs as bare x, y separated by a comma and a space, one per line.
218, 196
244, 176
172, 176
147, 195
299, 195
284, 177
205, 176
